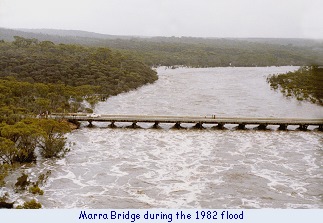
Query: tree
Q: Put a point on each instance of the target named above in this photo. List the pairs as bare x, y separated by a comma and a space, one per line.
42, 104
52, 141
46, 44
23, 42
25, 135
8, 151
303, 84
33, 204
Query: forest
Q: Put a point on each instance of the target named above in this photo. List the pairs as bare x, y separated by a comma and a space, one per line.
190, 51
40, 77
73, 65
303, 84
200, 52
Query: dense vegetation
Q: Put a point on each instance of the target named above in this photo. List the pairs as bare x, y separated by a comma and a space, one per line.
20, 132
19, 98
33, 61
198, 52
304, 84
189, 51
37, 78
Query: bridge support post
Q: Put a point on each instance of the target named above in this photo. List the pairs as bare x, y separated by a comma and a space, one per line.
262, 127
112, 125
241, 126
198, 125
156, 125
90, 124
320, 127
283, 127
303, 127
134, 125
177, 125
219, 126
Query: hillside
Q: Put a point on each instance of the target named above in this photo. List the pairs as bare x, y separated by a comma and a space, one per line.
190, 51
70, 33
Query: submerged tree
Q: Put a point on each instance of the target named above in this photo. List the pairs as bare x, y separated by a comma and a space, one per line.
52, 141
304, 84
25, 137
32, 204
8, 151
19, 141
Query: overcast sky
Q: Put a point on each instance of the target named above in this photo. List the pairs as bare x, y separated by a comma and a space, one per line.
199, 18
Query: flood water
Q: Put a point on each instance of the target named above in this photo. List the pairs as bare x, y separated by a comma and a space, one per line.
190, 168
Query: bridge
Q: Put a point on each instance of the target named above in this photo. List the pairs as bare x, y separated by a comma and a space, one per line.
219, 122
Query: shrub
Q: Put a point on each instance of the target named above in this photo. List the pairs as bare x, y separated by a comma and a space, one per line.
22, 181
36, 190
33, 204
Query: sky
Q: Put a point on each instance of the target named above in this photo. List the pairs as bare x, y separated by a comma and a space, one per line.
196, 18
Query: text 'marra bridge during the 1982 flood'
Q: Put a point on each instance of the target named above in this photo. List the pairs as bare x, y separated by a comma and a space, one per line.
241, 123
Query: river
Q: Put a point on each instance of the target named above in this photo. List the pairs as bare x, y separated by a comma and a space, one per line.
189, 168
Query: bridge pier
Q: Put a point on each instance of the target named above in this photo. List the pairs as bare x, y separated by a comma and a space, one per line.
90, 124
219, 126
156, 125
134, 125
303, 127
241, 126
112, 125
177, 125
198, 125
283, 127
262, 127
320, 127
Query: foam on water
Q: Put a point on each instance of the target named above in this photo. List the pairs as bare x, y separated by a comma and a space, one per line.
188, 169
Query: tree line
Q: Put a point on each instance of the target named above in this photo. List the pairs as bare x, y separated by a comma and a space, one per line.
199, 52
191, 51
